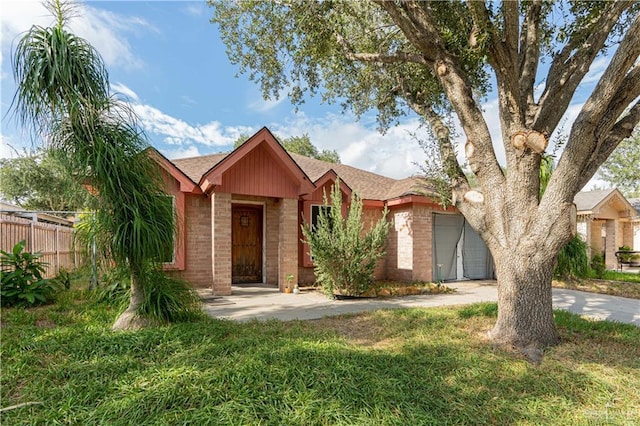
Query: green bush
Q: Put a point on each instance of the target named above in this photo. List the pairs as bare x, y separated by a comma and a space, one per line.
573, 261
344, 256
598, 266
21, 278
627, 257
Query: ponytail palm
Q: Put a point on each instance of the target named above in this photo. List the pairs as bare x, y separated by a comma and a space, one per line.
62, 94
53, 68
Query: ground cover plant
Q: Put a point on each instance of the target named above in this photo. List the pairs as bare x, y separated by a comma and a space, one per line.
396, 367
22, 280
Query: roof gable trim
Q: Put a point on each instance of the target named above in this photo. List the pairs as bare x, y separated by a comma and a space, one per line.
213, 177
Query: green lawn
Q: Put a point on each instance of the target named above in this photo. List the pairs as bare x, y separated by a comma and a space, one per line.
630, 277
399, 367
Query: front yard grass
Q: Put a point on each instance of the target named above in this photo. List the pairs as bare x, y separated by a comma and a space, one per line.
394, 367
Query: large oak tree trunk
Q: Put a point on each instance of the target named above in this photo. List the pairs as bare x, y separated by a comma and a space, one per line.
130, 319
525, 314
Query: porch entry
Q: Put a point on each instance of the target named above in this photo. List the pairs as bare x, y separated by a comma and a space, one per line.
458, 251
246, 244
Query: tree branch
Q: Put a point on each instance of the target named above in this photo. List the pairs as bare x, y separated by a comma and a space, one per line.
441, 131
567, 71
415, 35
410, 16
621, 130
619, 81
626, 93
511, 24
384, 58
529, 55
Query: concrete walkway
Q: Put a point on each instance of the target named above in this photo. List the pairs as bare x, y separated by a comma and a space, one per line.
264, 302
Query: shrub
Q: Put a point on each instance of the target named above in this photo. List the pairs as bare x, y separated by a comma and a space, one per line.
21, 278
168, 299
598, 266
573, 261
114, 289
629, 257
345, 256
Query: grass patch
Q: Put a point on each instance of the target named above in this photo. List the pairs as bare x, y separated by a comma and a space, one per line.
390, 367
629, 277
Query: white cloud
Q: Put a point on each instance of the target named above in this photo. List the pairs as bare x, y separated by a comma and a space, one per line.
396, 154
103, 29
126, 91
265, 105
175, 131
186, 152
195, 9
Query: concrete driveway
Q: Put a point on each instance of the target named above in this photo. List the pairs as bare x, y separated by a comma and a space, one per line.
263, 302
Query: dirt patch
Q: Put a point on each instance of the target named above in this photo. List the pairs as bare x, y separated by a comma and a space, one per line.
613, 288
44, 323
360, 330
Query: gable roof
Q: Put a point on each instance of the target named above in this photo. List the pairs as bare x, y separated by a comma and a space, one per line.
590, 202
368, 185
187, 184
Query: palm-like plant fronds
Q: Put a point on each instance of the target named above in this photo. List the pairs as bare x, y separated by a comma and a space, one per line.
53, 68
108, 152
63, 92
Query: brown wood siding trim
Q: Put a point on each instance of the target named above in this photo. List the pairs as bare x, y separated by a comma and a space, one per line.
258, 174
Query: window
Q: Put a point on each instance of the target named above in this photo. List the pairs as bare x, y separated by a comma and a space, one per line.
315, 214
168, 251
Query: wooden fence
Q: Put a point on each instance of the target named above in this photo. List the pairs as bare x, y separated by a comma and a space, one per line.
53, 241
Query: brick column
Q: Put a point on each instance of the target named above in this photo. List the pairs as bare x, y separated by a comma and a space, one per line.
611, 243
288, 242
422, 244
221, 243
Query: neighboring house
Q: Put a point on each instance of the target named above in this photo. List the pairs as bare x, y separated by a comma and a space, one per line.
240, 216
606, 220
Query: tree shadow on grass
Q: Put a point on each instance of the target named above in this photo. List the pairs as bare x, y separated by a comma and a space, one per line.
219, 372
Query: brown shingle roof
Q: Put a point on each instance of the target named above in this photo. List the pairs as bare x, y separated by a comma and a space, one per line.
366, 184
588, 200
196, 167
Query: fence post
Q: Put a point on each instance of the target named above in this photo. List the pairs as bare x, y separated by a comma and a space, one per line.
57, 248
32, 233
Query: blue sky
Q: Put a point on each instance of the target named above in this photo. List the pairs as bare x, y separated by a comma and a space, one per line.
169, 60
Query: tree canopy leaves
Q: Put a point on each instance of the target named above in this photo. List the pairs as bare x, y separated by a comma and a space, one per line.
622, 169
39, 181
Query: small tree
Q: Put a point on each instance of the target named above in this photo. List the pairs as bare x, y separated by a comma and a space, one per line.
63, 93
344, 255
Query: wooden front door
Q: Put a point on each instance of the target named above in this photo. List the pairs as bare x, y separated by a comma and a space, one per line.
246, 246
